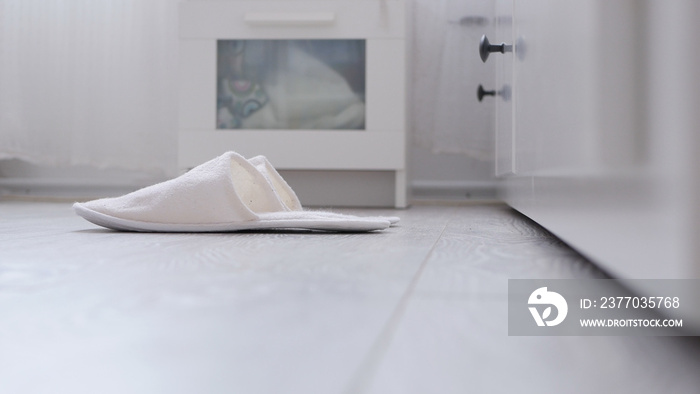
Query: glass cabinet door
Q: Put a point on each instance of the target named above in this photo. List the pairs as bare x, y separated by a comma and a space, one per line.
291, 84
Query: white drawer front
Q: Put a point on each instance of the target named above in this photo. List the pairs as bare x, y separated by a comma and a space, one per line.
291, 19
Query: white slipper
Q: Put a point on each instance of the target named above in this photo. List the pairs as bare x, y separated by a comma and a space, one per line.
279, 185
290, 199
227, 193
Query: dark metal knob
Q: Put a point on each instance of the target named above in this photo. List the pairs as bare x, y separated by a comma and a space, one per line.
480, 93
486, 48
505, 93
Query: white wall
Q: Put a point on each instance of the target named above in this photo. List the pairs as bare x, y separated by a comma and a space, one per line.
102, 70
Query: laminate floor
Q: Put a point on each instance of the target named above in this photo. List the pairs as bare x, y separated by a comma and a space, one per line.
418, 308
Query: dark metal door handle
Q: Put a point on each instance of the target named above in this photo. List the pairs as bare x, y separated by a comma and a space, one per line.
505, 93
486, 48
480, 93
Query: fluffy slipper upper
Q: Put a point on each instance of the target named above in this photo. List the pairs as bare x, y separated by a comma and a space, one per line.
228, 193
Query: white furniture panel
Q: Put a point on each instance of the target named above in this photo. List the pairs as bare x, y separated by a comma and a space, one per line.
606, 124
197, 84
386, 86
556, 77
330, 151
377, 145
307, 19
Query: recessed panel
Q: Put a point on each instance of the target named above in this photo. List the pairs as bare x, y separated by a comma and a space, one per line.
291, 84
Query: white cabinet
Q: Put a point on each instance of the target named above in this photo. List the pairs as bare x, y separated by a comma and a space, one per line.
316, 86
577, 77
605, 134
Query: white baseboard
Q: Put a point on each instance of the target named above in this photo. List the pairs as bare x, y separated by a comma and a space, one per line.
453, 190
67, 188
80, 188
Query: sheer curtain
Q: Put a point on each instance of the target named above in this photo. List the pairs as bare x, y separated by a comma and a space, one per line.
89, 83
95, 82
445, 115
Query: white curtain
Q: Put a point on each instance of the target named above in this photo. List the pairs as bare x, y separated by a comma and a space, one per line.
446, 70
89, 83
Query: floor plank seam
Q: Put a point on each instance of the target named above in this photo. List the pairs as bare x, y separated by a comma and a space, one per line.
361, 380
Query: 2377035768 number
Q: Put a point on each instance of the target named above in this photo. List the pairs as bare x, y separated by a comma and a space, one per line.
639, 302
